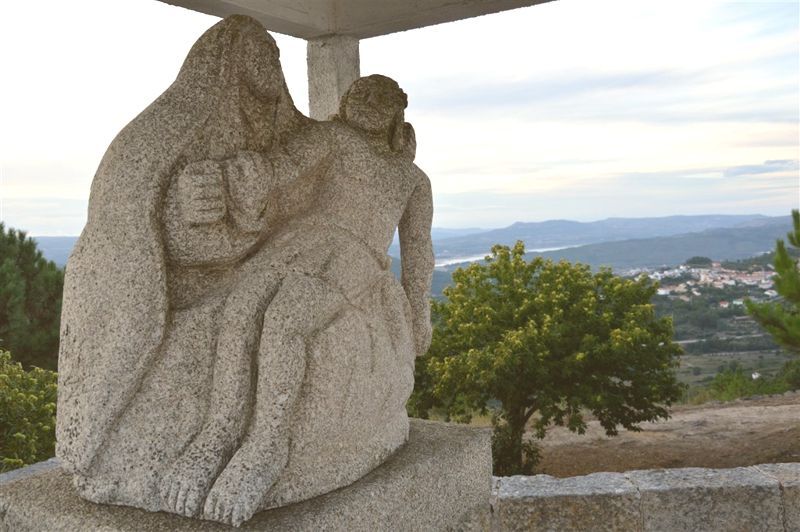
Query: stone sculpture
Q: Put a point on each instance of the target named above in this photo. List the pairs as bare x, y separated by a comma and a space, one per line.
232, 337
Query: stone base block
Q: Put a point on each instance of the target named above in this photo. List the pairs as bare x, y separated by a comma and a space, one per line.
789, 477
706, 500
757, 498
600, 501
440, 480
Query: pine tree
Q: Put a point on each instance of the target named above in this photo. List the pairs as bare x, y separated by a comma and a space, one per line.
30, 301
782, 318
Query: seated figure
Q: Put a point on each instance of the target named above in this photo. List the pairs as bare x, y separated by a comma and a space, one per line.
232, 338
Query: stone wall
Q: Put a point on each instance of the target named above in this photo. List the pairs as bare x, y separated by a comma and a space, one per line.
764, 497
758, 498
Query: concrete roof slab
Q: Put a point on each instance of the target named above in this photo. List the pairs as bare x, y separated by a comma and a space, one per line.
309, 19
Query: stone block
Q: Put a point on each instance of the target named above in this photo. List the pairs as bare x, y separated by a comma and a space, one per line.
789, 477
698, 499
601, 501
439, 478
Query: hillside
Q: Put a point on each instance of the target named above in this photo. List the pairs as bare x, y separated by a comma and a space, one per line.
750, 236
441, 279
437, 233
736, 434
563, 233
719, 244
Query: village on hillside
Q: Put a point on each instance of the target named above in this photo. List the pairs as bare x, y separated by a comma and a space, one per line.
686, 281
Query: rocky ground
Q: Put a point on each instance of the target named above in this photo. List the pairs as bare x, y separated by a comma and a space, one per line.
720, 435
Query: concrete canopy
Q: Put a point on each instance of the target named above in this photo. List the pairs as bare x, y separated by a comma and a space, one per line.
333, 29
360, 19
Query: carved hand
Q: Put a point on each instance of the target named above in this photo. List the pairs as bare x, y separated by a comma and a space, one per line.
201, 193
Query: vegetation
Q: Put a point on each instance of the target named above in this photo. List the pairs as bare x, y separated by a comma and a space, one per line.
734, 382
760, 262
702, 317
537, 342
30, 301
699, 262
782, 318
27, 414
730, 345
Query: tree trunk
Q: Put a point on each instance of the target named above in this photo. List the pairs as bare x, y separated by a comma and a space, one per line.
508, 451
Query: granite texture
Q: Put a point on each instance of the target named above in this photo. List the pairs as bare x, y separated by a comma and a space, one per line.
601, 501
232, 338
439, 478
740, 499
518, 503
763, 497
789, 477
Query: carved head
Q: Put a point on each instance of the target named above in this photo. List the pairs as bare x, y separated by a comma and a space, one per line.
376, 104
240, 61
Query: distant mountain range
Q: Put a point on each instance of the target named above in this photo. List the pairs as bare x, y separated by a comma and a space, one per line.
619, 243
740, 242
564, 233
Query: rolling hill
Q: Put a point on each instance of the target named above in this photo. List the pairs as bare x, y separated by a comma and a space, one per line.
749, 239
563, 233
745, 237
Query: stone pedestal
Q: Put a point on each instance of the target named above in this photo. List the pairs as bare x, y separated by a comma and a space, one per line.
440, 480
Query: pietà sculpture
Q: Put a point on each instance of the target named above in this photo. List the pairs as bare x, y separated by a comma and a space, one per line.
232, 337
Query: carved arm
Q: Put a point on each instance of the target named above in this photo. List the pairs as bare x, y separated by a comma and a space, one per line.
417, 261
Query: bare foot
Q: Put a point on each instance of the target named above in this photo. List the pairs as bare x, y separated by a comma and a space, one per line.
242, 486
183, 489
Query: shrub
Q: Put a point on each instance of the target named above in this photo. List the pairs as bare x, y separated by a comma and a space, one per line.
735, 383
27, 414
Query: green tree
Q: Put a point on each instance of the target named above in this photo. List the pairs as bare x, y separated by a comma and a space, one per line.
537, 343
782, 318
27, 414
30, 301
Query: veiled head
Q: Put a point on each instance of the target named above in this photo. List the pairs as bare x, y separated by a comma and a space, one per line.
240, 62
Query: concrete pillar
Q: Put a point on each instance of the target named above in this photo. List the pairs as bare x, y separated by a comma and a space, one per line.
333, 64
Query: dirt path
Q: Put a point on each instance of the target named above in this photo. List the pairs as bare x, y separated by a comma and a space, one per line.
740, 433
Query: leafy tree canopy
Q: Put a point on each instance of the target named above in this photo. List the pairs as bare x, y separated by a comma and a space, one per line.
782, 318
541, 342
30, 301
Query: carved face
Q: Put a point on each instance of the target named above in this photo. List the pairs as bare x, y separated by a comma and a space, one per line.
374, 103
260, 66
256, 107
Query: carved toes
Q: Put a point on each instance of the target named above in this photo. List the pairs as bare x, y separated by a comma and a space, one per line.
231, 507
182, 496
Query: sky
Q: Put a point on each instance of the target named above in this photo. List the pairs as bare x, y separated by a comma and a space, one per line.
574, 109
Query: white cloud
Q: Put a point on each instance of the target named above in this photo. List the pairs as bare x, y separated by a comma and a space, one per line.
555, 104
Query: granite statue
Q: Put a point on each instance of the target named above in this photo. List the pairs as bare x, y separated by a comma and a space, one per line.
232, 336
